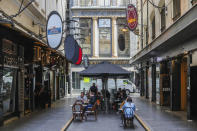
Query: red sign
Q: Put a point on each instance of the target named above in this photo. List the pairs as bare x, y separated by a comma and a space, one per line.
132, 19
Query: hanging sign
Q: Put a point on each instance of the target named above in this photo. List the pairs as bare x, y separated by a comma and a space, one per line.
132, 18
86, 61
70, 47
80, 57
54, 30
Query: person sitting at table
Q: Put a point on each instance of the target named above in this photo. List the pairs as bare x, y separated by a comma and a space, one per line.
128, 108
91, 102
82, 98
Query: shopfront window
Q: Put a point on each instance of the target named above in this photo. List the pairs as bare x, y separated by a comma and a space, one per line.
7, 90
123, 2
105, 37
85, 2
75, 80
104, 2
124, 44
86, 32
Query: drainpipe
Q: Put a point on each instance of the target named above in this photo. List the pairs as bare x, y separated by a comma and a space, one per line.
141, 24
147, 33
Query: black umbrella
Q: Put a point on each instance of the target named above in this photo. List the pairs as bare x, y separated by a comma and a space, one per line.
105, 70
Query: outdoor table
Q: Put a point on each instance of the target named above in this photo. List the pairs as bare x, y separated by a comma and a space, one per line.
116, 100
84, 105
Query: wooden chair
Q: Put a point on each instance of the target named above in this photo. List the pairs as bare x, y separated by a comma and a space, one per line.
77, 111
91, 111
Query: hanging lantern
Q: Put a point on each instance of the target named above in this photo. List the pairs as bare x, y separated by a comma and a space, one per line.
48, 53
37, 53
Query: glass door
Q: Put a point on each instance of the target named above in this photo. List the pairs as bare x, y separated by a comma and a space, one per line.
8, 90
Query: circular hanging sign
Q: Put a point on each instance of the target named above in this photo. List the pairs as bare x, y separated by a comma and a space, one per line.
69, 47
54, 30
132, 18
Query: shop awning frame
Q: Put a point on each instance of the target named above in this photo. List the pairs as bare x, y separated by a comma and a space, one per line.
172, 41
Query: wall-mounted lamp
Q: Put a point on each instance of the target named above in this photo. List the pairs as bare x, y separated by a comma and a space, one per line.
6, 22
124, 30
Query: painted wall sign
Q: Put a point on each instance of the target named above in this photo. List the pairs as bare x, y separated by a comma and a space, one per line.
54, 30
132, 18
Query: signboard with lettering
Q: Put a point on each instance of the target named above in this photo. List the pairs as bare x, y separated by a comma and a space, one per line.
54, 30
132, 18
86, 79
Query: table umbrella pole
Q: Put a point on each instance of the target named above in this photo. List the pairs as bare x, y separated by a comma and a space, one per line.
106, 105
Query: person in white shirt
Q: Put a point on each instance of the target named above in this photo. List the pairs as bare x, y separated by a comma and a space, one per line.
82, 97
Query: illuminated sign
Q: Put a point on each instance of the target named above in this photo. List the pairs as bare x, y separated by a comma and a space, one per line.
132, 18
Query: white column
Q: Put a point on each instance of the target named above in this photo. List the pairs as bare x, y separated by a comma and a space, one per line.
114, 37
95, 37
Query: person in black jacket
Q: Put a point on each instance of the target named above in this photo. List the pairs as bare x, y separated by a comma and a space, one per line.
94, 89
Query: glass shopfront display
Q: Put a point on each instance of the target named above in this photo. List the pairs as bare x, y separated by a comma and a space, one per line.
105, 37
86, 24
7, 90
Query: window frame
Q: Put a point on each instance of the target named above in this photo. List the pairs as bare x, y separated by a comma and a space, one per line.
110, 54
176, 9
91, 37
163, 18
153, 28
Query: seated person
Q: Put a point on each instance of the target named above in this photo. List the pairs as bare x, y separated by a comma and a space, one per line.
91, 102
82, 98
128, 108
